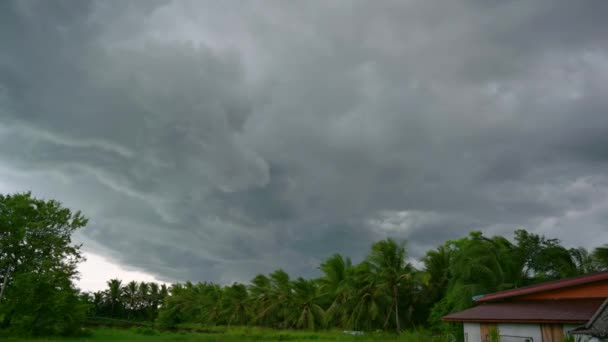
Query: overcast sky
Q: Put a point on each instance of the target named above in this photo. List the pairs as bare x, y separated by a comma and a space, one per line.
214, 140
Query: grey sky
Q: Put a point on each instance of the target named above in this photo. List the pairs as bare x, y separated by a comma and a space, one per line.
213, 140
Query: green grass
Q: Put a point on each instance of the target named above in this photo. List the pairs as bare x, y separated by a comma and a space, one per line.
234, 334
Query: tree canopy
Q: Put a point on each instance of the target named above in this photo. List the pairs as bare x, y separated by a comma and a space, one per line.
37, 264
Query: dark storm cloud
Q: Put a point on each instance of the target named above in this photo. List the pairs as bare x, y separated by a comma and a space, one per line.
214, 140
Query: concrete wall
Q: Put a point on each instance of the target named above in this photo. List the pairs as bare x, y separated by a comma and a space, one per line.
472, 332
518, 332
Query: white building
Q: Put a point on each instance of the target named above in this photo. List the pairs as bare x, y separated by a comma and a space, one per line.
541, 313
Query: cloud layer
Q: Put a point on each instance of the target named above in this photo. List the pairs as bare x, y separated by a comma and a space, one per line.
216, 140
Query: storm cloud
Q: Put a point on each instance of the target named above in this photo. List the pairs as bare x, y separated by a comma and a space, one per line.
213, 140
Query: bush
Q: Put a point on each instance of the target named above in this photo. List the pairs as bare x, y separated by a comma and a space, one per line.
146, 331
42, 305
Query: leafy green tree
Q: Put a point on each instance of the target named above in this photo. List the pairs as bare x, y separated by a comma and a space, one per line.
37, 264
542, 259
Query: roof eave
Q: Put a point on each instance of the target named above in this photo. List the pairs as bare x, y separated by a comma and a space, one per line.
497, 320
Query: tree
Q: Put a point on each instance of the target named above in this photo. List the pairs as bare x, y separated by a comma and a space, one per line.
261, 299
437, 267
387, 261
337, 285
130, 293
369, 300
114, 296
543, 259
305, 298
38, 261
235, 299
600, 255
583, 260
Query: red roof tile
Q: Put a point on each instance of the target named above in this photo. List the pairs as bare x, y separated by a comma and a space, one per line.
553, 285
545, 311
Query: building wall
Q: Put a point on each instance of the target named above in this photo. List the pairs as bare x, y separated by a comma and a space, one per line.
472, 332
508, 331
512, 332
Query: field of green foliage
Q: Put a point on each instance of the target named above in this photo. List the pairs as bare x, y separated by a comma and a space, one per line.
233, 334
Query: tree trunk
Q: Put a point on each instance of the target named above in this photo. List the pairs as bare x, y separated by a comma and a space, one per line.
4, 282
396, 295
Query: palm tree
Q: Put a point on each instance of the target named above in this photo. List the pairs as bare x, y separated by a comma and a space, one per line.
98, 302
337, 285
583, 260
437, 269
143, 298
281, 297
369, 298
480, 265
600, 255
208, 299
388, 265
130, 294
155, 300
261, 298
114, 294
235, 300
305, 300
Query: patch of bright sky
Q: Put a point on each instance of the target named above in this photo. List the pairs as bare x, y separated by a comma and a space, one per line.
97, 270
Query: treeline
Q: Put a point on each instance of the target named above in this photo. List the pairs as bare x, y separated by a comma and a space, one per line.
132, 301
38, 264
381, 292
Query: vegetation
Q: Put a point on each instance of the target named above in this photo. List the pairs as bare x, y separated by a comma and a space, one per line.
382, 293
37, 264
238, 334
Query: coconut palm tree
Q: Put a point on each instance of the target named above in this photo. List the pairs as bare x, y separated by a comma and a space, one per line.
305, 304
369, 301
235, 299
583, 260
154, 301
389, 268
260, 296
337, 284
143, 298
114, 295
130, 293
600, 255
281, 297
437, 269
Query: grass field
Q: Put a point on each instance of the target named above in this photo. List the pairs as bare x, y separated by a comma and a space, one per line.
235, 334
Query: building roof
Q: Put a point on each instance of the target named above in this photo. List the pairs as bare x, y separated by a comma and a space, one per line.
553, 285
597, 325
573, 311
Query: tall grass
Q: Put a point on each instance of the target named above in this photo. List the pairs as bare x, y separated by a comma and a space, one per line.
234, 334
